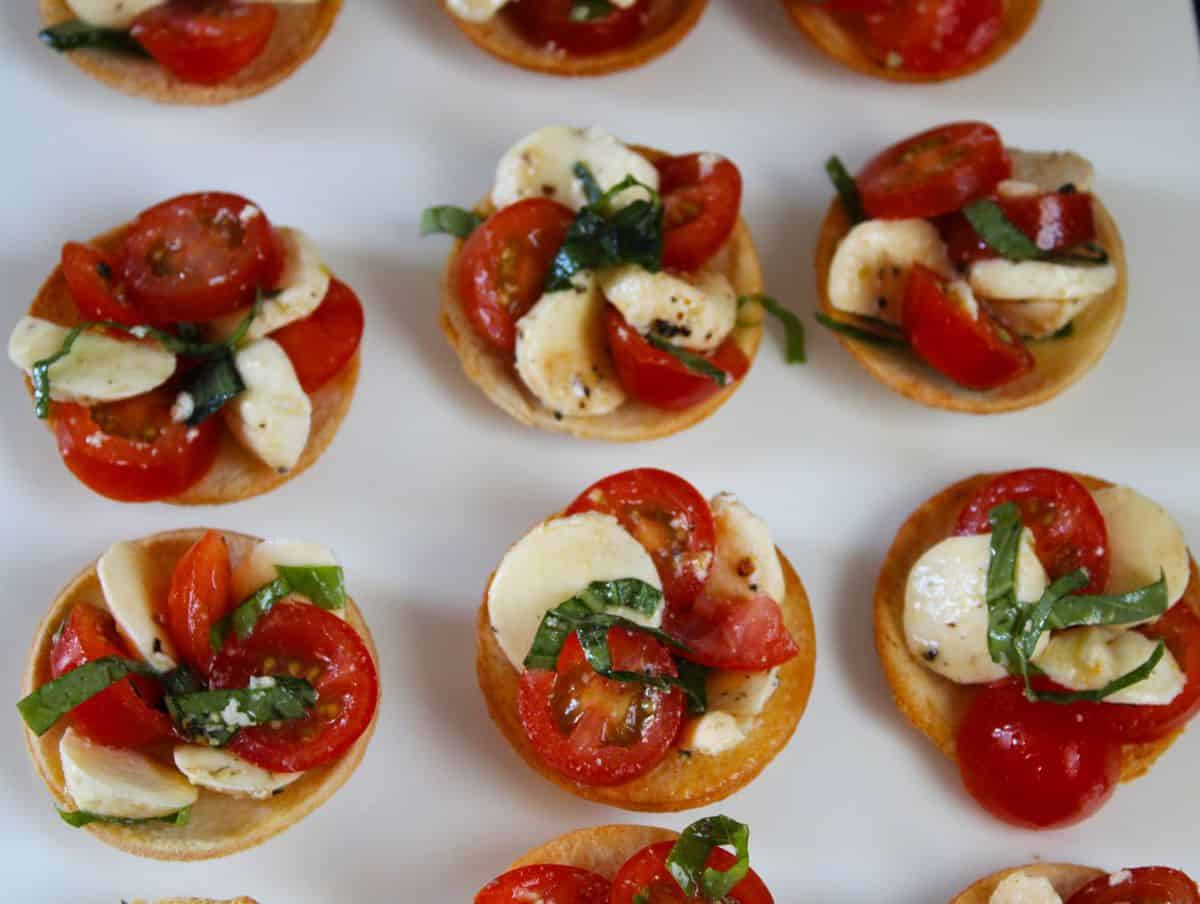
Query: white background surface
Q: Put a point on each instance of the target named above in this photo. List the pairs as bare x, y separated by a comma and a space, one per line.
428, 484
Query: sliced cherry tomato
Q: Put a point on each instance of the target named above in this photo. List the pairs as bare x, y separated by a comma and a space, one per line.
91, 277
1053, 221
503, 266
933, 35
668, 516
556, 22
546, 884
935, 172
1144, 885
302, 640
646, 874
595, 730
702, 195
200, 596
1068, 527
205, 41
132, 451
1038, 765
123, 715
196, 257
744, 634
321, 344
970, 347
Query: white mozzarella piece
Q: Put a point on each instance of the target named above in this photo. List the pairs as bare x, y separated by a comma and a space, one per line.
562, 354
483, 10
1051, 170
870, 267
1044, 280
1019, 888
226, 773
273, 416
555, 561
120, 783
132, 594
1038, 318
258, 569
99, 368
1014, 188
712, 733
745, 560
741, 694
541, 166
1086, 659
945, 606
697, 311
111, 13
1144, 541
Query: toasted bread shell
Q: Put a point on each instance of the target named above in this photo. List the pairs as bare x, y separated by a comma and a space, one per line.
220, 825
668, 22
934, 704
1067, 878
824, 30
236, 474
299, 32
602, 850
1059, 362
682, 781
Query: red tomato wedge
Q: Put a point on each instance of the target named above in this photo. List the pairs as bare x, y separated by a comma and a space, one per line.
205, 41
200, 596
132, 451
701, 194
123, 715
503, 266
969, 347
595, 730
668, 516
556, 22
933, 35
1037, 765
935, 172
1144, 885
546, 884
91, 279
1068, 527
1052, 221
302, 640
196, 257
646, 873
744, 634
321, 344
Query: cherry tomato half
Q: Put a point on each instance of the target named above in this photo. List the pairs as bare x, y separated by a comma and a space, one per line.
595, 730
1053, 221
935, 172
1144, 885
933, 35
548, 884
200, 596
91, 277
646, 873
743, 634
701, 194
556, 22
322, 343
205, 41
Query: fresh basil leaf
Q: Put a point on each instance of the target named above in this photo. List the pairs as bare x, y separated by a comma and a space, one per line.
243, 619
1033, 623
78, 35
862, 335
182, 680
449, 220
793, 328
590, 606
1004, 609
847, 190
990, 224
54, 699
693, 681
1120, 609
623, 593
589, 10
80, 818
213, 717
687, 861
325, 585
591, 188
211, 384
642, 897
39, 374
1141, 673
697, 364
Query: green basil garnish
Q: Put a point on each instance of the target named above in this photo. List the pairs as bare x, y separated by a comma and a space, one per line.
793, 329
77, 35
214, 717
687, 861
54, 699
590, 10
696, 363
182, 680
446, 219
211, 384
246, 615
862, 335
325, 585
80, 818
1119, 609
847, 190
1004, 609
991, 224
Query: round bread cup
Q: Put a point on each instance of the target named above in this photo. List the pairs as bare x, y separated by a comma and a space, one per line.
633, 421
1059, 363
667, 23
220, 825
299, 32
603, 850
833, 39
934, 704
236, 474
1067, 878
682, 781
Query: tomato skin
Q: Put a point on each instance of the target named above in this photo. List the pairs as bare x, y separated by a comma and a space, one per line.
1037, 765
323, 343
1052, 221
580, 722
200, 595
646, 873
550, 22
935, 172
91, 279
738, 634
205, 42
1145, 885
1068, 527
934, 35
701, 201
122, 715
546, 883
503, 266
858, 6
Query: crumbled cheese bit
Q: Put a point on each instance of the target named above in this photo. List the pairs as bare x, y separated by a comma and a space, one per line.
258, 681
233, 716
184, 407
139, 332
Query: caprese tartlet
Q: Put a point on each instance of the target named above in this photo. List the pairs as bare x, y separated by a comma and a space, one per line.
1069, 883
188, 51
575, 37
196, 355
603, 290
194, 693
636, 865
969, 276
646, 648
1042, 629
914, 40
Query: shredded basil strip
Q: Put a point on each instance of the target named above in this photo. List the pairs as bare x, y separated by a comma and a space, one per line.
243, 619
793, 328
213, 717
590, 10
1004, 609
991, 224
447, 219
183, 680
78, 35
325, 585
1130, 678
1033, 624
696, 363
686, 862
1120, 609
211, 385
862, 335
54, 699
847, 190
80, 818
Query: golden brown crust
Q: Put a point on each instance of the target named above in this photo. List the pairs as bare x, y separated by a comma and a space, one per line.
220, 825
299, 33
668, 22
1067, 878
1059, 363
236, 474
602, 850
823, 29
683, 780
934, 704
